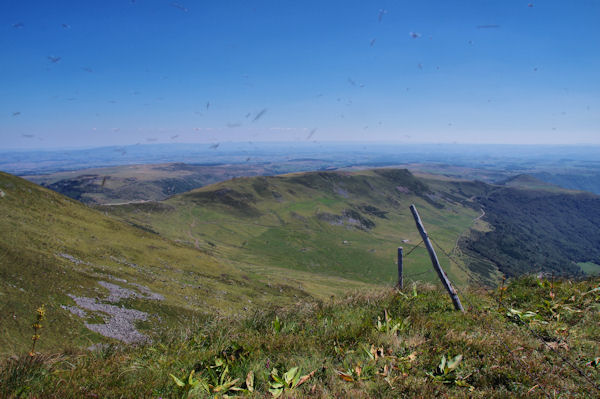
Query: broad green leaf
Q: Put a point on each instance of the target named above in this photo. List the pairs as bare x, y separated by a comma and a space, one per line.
191, 377
275, 376
290, 374
225, 387
223, 375
296, 379
177, 381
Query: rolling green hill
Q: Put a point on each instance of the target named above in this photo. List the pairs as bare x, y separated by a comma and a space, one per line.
345, 224
153, 182
93, 270
350, 223
528, 182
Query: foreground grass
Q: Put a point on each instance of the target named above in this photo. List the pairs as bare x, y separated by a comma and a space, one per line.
382, 344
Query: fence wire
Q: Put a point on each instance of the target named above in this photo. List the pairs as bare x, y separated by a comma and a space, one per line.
411, 276
412, 249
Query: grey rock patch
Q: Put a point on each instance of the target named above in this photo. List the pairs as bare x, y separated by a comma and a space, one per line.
349, 218
75, 310
333, 220
74, 259
119, 322
121, 280
352, 221
124, 262
147, 293
342, 192
116, 292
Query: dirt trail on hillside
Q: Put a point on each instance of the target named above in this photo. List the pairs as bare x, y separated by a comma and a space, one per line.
196, 242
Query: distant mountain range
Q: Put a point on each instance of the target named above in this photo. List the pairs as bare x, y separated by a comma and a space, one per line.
133, 173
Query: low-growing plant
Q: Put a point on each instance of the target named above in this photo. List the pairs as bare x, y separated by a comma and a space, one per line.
521, 317
446, 372
360, 370
190, 387
219, 380
391, 326
288, 381
214, 379
276, 325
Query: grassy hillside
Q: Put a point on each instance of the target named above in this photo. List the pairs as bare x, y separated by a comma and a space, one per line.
350, 223
382, 344
528, 182
327, 223
586, 179
86, 267
247, 243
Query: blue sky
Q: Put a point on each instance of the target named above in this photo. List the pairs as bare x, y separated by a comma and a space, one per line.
89, 73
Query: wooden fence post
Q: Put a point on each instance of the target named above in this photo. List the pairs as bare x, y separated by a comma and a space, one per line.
400, 269
435, 262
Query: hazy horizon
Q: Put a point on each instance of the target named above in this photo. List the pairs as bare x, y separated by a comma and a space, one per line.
316, 145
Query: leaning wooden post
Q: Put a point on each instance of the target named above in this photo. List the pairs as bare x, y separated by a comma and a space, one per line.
400, 269
436, 263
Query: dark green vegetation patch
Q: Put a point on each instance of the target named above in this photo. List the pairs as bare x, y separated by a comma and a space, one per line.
539, 231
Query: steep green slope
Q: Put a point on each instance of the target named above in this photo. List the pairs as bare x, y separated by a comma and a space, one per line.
328, 223
86, 266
